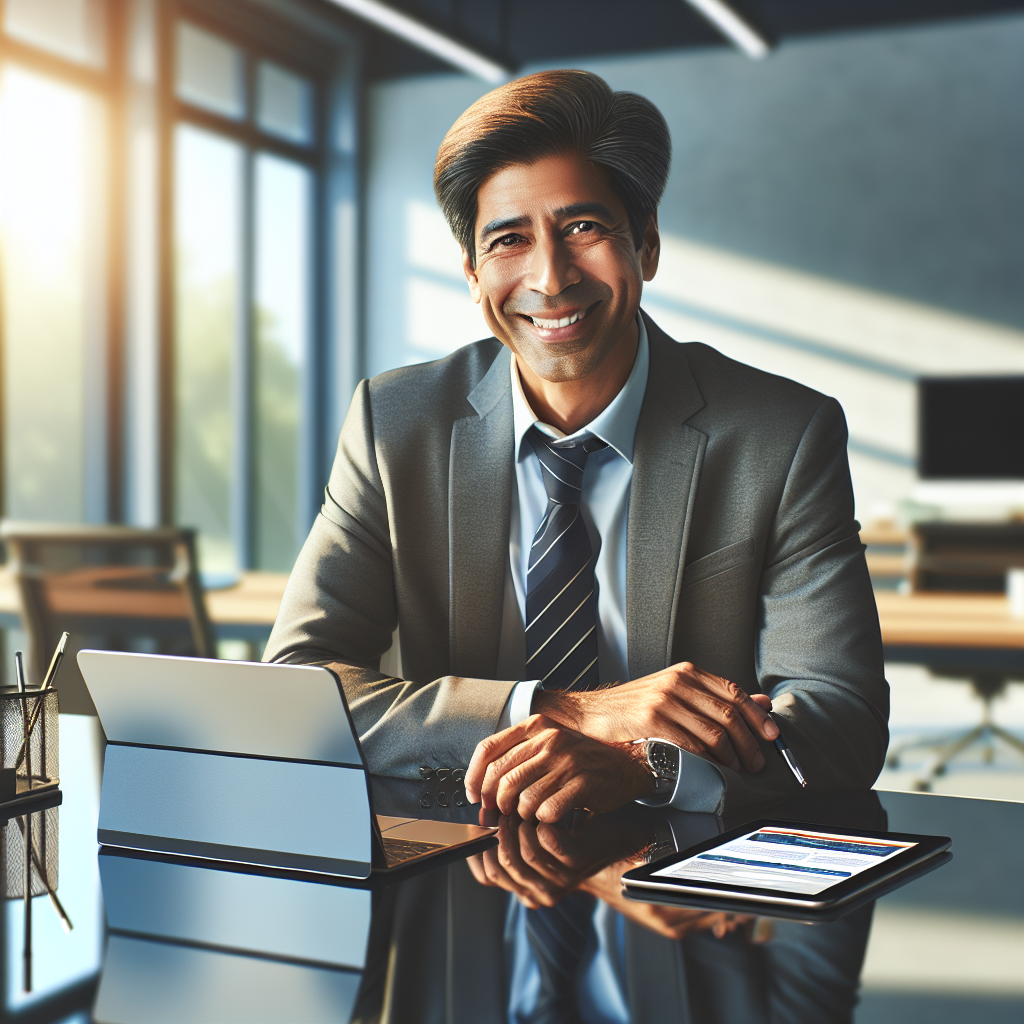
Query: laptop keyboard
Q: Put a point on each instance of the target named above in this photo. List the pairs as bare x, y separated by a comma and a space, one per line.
397, 851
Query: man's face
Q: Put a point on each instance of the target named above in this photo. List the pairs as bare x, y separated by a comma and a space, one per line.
557, 274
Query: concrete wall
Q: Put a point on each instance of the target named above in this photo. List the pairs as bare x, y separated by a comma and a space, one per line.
847, 213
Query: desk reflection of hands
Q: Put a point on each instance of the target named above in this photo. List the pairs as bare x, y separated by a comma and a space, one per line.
540, 863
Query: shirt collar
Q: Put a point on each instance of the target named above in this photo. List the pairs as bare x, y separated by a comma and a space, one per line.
615, 424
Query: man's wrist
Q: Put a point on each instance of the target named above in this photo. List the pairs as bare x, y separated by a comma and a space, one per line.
564, 708
638, 756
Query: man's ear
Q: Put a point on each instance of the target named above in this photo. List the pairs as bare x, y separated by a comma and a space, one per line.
650, 250
471, 279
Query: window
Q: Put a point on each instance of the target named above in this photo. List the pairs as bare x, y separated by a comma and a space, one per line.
245, 189
174, 185
54, 228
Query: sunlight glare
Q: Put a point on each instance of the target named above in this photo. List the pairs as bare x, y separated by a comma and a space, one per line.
42, 156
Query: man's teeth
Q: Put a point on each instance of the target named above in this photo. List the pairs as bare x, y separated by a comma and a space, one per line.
550, 325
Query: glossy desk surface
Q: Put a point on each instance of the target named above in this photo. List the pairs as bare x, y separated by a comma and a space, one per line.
223, 947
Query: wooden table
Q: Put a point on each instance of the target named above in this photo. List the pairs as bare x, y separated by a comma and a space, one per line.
913, 625
948, 620
969, 632
245, 611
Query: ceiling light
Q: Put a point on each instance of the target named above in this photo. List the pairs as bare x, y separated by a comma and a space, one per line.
424, 37
730, 24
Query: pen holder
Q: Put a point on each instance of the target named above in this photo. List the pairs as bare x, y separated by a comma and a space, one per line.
28, 744
13, 848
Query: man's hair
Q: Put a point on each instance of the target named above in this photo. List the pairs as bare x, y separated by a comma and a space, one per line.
548, 114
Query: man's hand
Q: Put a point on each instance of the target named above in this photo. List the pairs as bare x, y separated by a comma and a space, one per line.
701, 713
542, 769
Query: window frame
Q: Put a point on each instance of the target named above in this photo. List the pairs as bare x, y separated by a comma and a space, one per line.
253, 140
327, 55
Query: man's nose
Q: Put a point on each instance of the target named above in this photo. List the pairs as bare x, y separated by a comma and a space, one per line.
551, 269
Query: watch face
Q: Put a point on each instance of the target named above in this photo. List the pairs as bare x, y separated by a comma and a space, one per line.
664, 759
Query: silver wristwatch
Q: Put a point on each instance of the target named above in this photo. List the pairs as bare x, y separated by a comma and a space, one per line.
662, 760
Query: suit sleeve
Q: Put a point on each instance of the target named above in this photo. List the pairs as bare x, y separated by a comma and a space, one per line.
818, 646
339, 610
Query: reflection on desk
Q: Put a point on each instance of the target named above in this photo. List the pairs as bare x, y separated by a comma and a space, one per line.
947, 947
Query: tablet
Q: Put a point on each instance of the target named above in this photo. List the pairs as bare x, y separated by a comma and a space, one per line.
786, 863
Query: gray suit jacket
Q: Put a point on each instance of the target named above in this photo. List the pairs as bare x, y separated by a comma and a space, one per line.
743, 557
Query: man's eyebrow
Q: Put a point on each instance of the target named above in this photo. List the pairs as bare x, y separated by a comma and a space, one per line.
581, 209
503, 224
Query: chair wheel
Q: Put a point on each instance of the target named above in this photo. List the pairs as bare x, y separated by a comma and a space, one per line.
922, 786
941, 770
892, 762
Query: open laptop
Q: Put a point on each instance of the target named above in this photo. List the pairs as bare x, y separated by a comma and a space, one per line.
247, 763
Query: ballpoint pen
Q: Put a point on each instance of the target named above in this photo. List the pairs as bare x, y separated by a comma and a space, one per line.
787, 755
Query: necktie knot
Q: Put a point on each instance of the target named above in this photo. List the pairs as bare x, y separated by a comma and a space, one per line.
562, 464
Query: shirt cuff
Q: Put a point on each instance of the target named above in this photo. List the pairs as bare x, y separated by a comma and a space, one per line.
519, 704
699, 787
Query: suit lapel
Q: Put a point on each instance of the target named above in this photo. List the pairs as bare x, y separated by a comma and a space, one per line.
667, 456
479, 505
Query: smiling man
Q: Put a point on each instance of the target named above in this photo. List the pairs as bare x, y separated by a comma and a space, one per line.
602, 555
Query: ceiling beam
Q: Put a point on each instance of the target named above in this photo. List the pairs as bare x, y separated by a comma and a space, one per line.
423, 37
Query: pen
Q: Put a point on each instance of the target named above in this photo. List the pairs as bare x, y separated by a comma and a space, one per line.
58, 657
787, 756
19, 671
51, 673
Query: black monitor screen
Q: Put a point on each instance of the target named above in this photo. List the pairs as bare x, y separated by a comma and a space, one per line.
971, 428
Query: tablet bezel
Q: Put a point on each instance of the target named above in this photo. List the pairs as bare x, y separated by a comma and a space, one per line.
642, 878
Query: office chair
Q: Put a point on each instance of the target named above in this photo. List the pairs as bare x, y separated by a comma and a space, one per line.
111, 587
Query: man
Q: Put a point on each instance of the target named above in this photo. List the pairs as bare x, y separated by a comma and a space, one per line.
581, 501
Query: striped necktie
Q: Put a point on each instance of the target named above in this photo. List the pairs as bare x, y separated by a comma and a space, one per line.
561, 651
561, 593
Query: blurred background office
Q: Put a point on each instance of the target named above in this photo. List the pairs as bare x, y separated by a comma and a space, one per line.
216, 216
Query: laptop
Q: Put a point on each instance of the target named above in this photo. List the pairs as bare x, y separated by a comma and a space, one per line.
249, 764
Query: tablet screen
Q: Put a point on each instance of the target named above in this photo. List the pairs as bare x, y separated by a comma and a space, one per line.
786, 859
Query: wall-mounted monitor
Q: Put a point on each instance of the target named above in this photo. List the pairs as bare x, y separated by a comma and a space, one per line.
971, 428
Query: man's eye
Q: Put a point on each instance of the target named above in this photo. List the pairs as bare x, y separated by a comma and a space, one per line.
506, 241
583, 227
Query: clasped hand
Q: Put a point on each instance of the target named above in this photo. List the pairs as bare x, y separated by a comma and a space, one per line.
576, 750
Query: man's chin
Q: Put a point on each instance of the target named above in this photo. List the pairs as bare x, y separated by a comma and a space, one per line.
561, 367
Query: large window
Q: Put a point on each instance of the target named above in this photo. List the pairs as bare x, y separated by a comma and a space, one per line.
176, 185
53, 274
174, 177
245, 156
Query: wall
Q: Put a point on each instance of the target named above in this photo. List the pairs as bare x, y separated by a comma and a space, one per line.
846, 213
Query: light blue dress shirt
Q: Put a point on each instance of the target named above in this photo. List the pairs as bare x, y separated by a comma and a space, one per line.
605, 508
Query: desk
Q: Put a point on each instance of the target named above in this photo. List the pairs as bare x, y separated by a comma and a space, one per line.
946, 948
246, 610
921, 620
951, 630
